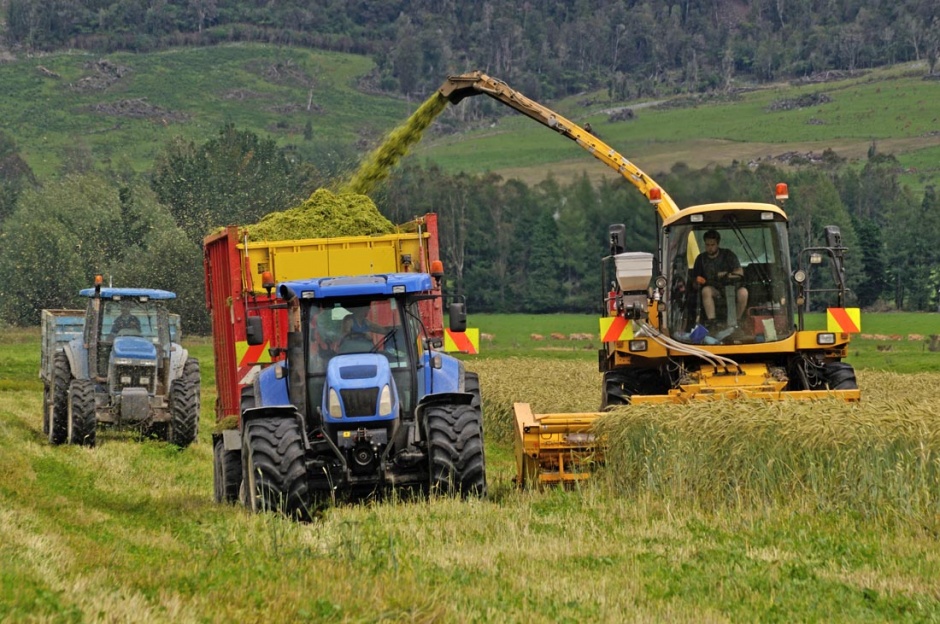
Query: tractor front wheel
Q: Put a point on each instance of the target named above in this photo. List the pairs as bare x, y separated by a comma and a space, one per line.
455, 449
82, 419
274, 473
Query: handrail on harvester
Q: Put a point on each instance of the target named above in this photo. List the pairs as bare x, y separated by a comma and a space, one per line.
459, 87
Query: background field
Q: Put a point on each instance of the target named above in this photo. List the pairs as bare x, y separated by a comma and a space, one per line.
267, 90
127, 531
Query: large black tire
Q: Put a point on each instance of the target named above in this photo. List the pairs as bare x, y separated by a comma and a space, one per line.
455, 450
620, 385
840, 376
58, 430
191, 370
184, 412
82, 419
227, 477
472, 385
274, 472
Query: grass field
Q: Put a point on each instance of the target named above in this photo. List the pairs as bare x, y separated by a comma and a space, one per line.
890, 341
127, 531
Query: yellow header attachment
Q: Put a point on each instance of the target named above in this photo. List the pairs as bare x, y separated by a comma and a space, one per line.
459, 87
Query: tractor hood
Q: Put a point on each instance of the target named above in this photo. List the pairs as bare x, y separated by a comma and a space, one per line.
133, 347
357, 384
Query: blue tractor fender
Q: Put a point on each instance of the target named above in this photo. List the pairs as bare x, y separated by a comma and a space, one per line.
447, 378
272, 391
77, 355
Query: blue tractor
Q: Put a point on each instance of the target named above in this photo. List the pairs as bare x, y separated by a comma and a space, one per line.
362, 403
121, 366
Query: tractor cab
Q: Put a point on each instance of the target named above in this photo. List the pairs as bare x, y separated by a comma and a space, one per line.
727, 270
128, 329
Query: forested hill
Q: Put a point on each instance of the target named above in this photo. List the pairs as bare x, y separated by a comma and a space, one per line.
546, 48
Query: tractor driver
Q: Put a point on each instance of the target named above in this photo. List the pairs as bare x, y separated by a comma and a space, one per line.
357, 323
714, 268
126, 320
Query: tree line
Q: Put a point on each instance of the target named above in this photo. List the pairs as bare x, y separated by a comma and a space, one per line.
507, 246
547, 48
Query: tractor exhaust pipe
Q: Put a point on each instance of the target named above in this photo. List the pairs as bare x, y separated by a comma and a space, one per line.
296, 386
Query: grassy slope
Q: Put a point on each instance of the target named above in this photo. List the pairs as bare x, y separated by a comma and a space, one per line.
251, 86
127, 532
265, 89
893, 107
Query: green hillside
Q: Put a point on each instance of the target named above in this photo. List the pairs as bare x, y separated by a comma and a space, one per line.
893, 107
122, 108
119, 110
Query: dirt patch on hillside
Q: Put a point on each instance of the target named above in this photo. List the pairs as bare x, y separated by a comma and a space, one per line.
100, 75
286, 73
138, 108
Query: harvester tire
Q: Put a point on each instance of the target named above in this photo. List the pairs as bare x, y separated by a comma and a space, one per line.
274, 473
82, 419
621, 385
227, 477
840, 376
184, 412
455, 450
59, 414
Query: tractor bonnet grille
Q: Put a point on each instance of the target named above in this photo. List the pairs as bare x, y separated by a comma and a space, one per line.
360, 402
140, 377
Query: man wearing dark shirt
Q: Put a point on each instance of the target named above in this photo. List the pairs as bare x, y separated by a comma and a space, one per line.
714, 268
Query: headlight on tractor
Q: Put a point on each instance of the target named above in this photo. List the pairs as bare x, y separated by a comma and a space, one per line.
334, 406
385, 401
825, 339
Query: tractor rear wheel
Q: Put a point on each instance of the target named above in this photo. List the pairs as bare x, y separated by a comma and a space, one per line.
455, 449
472, 385
274, 472
59, 413
82, 419
184, 412
840, 376
227, 477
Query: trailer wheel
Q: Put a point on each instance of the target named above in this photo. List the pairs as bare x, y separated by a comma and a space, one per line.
82, 419
455, 449
184, 412
59, 411
274, 473
840, 376
620, 385
227, 477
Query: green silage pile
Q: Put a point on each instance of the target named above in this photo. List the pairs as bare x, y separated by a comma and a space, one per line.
323, 215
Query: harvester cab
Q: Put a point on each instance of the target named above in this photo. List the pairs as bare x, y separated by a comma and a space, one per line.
127, 369
709, 315
362, 402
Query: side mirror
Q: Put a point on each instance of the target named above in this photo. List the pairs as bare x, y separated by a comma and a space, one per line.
833, 236
617, 234
254, 331
458, 317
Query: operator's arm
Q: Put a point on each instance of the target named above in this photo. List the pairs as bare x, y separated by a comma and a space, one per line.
731, 265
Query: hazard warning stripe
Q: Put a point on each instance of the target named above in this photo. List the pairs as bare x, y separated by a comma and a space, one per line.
616, 330
254, 354
845, 322
461, 342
